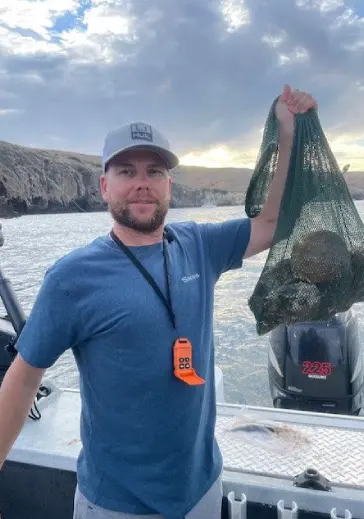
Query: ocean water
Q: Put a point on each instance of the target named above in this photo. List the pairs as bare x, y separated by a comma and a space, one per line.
33, 243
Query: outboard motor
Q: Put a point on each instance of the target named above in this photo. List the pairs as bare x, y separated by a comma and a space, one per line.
317, 366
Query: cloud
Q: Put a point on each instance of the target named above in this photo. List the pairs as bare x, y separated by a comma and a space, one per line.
321, 5
9, 111
235, 14
221, 156
204, 71
35, 16
349, 150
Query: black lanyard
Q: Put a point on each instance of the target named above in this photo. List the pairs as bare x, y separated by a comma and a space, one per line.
167, 268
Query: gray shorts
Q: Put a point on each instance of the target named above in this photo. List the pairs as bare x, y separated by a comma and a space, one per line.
208, 508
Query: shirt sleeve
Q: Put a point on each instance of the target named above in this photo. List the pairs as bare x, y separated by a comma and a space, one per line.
225, 243
52, 327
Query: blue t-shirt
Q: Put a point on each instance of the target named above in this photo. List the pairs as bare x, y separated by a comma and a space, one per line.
148, 442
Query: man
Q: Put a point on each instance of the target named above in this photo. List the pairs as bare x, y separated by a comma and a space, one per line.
136, 307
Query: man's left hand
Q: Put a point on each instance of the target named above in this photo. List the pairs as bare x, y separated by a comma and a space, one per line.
293, 102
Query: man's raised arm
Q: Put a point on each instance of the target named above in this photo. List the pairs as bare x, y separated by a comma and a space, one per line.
264, 225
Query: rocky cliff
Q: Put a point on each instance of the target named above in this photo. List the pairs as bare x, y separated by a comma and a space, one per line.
49, 181
45, 181
236, 180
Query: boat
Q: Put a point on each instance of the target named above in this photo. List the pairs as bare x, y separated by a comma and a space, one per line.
279, 462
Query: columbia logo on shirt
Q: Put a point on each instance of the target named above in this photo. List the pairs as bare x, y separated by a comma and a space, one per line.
186, 279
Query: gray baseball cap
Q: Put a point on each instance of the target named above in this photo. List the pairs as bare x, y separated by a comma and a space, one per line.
137, 135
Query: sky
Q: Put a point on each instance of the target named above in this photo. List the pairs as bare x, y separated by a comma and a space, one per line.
204, 72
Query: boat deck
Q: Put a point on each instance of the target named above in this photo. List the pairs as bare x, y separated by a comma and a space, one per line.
333, 445
336, 452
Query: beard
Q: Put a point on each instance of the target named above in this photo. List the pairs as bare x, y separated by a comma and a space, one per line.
122, 215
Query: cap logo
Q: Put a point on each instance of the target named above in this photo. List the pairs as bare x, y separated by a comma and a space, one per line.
141, 132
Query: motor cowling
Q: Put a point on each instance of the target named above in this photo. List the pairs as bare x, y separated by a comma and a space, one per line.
317, 366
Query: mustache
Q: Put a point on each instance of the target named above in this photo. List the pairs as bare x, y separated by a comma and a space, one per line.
142, 199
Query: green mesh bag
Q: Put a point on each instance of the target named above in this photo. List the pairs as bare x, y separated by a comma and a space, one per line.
315, 266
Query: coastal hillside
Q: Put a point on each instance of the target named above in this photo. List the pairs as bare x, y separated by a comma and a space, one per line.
34, 181
237, 179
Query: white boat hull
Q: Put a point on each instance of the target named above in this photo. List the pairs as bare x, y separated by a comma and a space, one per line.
46, 452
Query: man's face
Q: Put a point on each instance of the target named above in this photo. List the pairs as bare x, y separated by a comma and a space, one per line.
137, 189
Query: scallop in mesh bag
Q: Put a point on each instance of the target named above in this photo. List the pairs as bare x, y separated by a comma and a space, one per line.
315, 266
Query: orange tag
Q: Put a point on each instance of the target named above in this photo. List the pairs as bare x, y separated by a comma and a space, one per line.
182, 358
